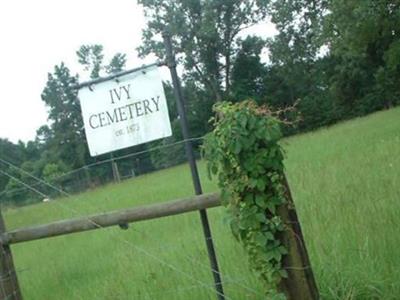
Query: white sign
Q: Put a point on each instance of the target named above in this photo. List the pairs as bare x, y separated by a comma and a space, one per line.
124, 112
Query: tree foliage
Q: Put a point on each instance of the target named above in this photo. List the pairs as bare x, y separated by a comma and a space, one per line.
336, 59
248, 71
91, 57
68, 143
204, 34
365, 36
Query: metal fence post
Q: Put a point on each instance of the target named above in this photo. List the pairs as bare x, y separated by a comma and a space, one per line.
192, 162
9, 287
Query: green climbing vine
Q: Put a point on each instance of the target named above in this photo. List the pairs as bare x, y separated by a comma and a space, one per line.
244, 153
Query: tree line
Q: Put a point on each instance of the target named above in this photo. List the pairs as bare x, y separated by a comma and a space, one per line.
332, 59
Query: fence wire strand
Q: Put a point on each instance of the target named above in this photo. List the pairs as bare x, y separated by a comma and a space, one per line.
137, 248
205, 266
23, 183
88, 166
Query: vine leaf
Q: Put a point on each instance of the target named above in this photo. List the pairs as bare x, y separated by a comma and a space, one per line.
243, 152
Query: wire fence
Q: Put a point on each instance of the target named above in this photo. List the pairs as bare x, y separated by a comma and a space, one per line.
114, 169
23, 189
48, 186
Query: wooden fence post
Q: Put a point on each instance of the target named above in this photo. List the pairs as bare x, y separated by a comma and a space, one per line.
115, 171
9, 288
300, 284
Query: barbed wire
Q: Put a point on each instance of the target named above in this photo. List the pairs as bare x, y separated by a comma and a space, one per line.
23, 183
88, 166
204, 265
137, 248
173, 248
191, 287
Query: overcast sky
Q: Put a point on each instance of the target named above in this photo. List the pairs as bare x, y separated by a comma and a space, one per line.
37, 35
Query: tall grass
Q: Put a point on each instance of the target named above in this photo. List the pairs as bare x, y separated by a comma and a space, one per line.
345, 181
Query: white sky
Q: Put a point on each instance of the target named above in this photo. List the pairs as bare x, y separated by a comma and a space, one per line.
37, 35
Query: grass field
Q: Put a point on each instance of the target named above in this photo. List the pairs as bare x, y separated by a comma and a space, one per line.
346, 186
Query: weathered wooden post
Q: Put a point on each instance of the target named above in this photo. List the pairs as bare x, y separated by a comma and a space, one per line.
300, 283
244, 153
115, 171
9, 288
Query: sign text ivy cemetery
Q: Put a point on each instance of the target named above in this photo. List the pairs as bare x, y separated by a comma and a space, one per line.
124, 112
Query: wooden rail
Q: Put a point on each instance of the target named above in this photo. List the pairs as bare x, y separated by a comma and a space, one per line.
110, 219
300, 284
